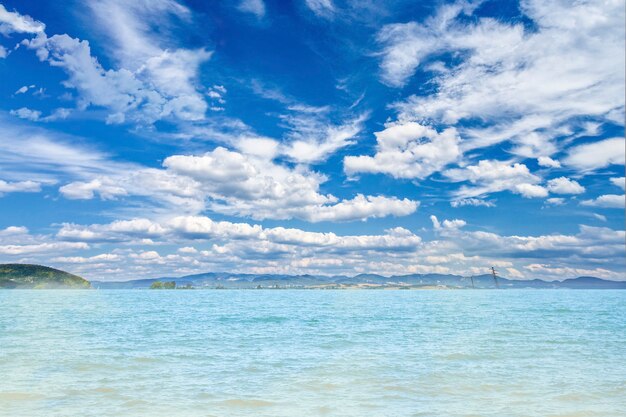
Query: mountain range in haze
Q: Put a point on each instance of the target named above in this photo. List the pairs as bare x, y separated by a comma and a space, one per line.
37, 276
225, 280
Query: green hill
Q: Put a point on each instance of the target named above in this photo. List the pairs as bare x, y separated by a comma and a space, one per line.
37, 276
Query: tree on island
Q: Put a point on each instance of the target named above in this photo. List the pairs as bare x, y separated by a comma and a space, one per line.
158, 285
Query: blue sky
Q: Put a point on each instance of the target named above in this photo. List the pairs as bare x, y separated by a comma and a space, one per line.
167, 137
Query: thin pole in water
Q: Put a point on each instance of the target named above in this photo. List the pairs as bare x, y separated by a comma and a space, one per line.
472, 278
495, 276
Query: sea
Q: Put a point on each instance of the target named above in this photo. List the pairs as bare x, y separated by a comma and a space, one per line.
478, 353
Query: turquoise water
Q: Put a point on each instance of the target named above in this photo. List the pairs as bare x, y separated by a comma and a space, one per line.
313, 353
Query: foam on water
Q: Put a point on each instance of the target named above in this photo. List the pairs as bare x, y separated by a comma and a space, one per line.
310, 353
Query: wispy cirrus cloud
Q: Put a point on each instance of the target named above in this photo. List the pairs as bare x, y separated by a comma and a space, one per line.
507, 76
255, 7
408, 150
154, 79
14, 22
600, 154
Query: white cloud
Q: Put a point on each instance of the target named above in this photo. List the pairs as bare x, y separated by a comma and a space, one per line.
96, 259
165, 190
408, 150
546, 161
129, 27
447, 224
255, 7
555, 272
606, 201
490, 176
35, 115
26, 113
151, 83
530, 190
161, 88
619, 182
3, 52
13, 230
222, 245
362, 207
201, 228
564, 185
254, 186
314, 140
555, 201
322, 8
46, 156
234, 183
599, 217
41, 248
13, 22
407, 44
19, 187
597, 155
23, 89
522, 85
80, 190
188, 249
476, 202
116, 231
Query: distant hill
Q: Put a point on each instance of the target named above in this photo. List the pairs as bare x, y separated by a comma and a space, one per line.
38, 276
233, 280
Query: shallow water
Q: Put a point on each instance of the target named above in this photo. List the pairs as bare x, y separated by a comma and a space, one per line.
313, 353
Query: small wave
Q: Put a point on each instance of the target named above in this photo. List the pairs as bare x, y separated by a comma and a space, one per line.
243, 403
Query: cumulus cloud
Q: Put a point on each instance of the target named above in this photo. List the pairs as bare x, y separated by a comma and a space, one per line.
490, 176
234, 183
407, 150
362, 207
202, 228
564, 185
530, 190
257, 187
546, 161
118, 230
447, 224
223, 245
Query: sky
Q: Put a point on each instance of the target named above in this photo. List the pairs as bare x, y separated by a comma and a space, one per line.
167, 137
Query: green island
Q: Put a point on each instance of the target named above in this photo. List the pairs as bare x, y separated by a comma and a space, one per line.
169, 285
26, 276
